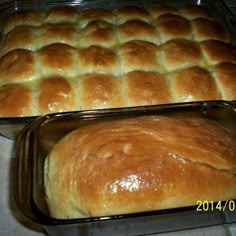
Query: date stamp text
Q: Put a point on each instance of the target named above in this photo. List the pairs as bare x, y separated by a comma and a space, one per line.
208, 205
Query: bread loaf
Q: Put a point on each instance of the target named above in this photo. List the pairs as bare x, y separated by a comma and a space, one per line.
140, 164
75, 43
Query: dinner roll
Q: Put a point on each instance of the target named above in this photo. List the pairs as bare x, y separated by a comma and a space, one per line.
146, 88
62, 14
98, 59
58, 58
139, 30
16, 100
57, 33
22, 17
216, 52
18, 65
21, 37
172, 26
181, 53
90, 14
56, 94
138, 54
105, 91
127, 13
225, 75
160, 9
207, 29
194, 84
98, 32
191, 12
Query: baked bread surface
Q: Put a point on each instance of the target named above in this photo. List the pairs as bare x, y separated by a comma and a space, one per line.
74, 43
140, 164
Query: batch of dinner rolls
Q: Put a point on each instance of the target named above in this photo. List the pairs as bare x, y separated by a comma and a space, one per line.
67, 59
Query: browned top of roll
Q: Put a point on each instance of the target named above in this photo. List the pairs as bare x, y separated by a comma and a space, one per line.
217, 52
98, 59
140, 164
104, 91
21, 37
195, 11
58, 58
173, 26
180, 53
62, 14
56, 94
130, 12
225, 74
91, 14
16, 100
23, 17
138, 54
146, 88
63, 32
98, 32
208, 29
18, 65
194, 84
137, 29
160, 9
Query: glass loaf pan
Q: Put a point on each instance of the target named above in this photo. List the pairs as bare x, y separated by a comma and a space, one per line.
10, 127
37, 139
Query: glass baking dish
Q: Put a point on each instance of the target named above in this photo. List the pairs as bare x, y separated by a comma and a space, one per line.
10, 127
38, 137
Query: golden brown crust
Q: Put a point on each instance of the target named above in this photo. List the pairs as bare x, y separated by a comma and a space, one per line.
181, 53
100, 91
62, 14
207, 29
57, 33
216, 52
194, 84
58, 58
16, 100
130, 12
99, 60
195, 11
139, 30
225, 75
137, 54
23, 17
21, 37
91, 14
140, 164
146, 88
18, 65
173, 26
98, 32
160, 9
56, 94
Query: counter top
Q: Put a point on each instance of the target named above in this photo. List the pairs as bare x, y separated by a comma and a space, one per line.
11, 220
